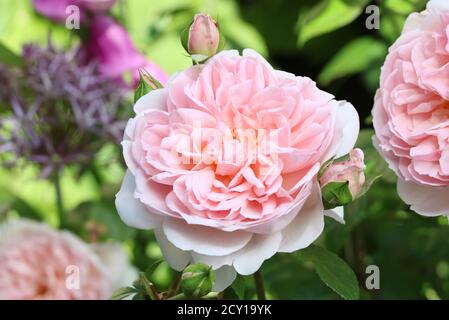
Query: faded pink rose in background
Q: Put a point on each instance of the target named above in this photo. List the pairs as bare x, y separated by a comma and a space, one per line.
231, 215
411, 110
34, 260
350, 171
110, 45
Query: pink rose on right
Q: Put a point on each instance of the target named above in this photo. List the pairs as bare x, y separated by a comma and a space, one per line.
411, 110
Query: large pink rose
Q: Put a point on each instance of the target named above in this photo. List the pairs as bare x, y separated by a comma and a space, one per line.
223, 163
411, 110
37, 262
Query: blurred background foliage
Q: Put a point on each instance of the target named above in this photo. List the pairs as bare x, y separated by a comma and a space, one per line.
326, 40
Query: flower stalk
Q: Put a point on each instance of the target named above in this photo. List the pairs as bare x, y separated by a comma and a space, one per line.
260, 287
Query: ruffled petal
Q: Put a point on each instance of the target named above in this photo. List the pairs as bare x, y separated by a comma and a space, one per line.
307, 226
131, 210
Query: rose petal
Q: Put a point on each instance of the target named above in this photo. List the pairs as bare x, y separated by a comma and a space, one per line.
260, 248
425, 200
204, 240
347, 128
153, 100
131, 210
176, 258
337, 214
307, 226
224, 277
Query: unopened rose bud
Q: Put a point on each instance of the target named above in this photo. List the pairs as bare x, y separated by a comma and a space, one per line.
342, 182
203, 37
197, 280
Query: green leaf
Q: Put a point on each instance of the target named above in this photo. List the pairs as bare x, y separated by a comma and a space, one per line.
123, 293
150, 270
353, 58
239, 287
147, 83
333, 271
404, 7
336, 194
327, 16
148, 287
8, 57
238, 33
142, 89
25, 210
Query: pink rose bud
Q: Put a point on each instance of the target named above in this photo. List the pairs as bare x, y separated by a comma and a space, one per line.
203, 37
347, 171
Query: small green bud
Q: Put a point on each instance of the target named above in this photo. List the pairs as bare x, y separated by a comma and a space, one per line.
146, 84
197, 280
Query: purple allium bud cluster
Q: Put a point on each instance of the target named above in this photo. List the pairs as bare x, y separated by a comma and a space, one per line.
55, 111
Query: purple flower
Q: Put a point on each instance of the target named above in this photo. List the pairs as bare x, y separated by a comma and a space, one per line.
110, 45
56, 9
97, 6
53, 9
60, 112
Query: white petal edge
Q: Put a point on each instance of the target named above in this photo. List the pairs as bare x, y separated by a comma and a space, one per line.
204, 240
131, 210
307, 226
260, 248
438, 5
153, 100
338, 214
224, 277
424, 200
413, 22
248, 259
347, 127
176, 258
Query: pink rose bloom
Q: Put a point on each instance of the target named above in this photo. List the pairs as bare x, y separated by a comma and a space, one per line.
110, 45
350, 171
37, 262
223, 162
56, 9
411, 110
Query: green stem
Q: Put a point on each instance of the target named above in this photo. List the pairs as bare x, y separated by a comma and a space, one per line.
260, 287
175, 288
59, 201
